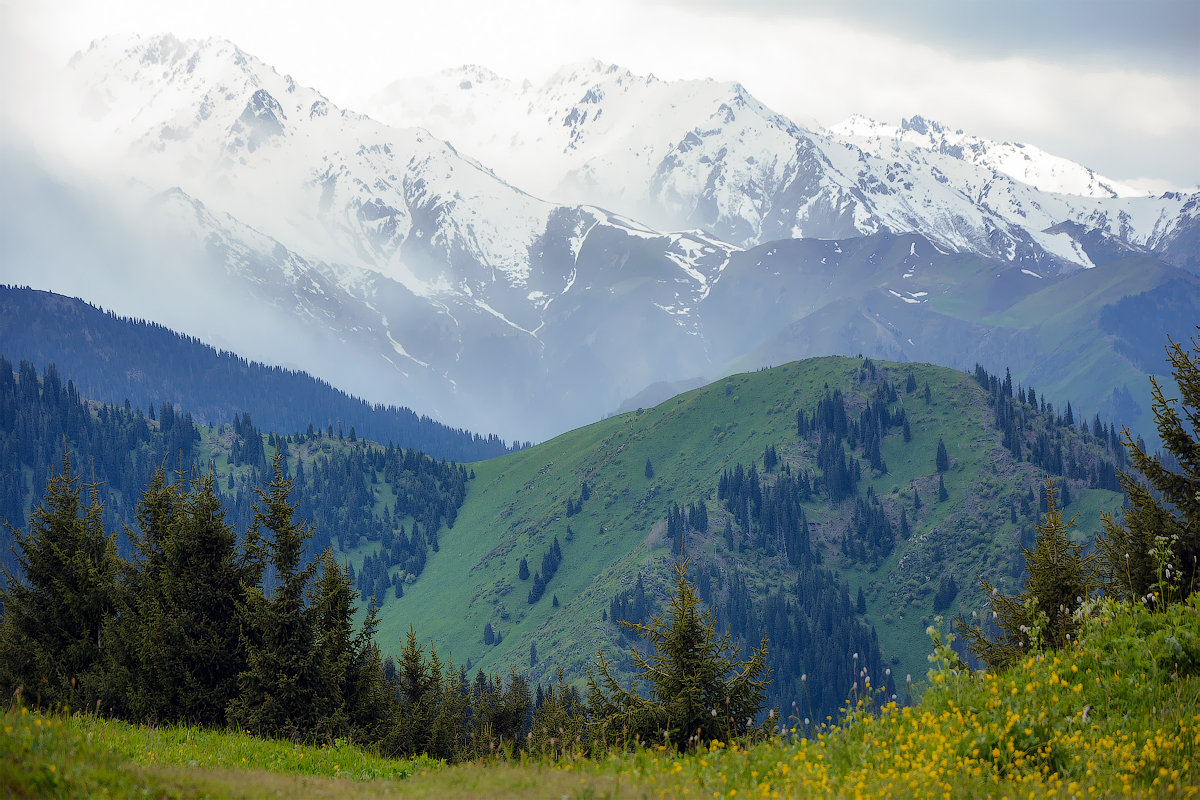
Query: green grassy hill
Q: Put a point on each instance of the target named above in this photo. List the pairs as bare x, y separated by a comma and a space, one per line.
517, 505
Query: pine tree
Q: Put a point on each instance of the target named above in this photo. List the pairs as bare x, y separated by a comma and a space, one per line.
1060, 578
649, 469
943, 495
523, 570
179, 630
417, 690
698, 690
1154, 549
276, 691
57, 605
943, 458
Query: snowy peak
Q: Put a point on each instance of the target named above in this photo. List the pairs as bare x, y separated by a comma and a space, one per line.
1022, 162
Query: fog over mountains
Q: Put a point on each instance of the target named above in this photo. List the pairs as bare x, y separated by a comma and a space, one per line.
521, 259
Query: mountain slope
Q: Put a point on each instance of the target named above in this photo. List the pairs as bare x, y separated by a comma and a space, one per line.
111, 360
708, 154
407, 269
519, 504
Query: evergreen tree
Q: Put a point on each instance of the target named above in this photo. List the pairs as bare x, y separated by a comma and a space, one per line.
57, 605
559, 722
417, 687
649, 469
1060, 578
1155, 546
698, 689
179, 630
350, 698
943, 458
523, 570
277, 690
943, 495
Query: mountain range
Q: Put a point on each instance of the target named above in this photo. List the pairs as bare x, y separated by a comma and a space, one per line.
523, 259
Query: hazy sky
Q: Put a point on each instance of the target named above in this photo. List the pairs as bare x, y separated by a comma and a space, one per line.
1115, 85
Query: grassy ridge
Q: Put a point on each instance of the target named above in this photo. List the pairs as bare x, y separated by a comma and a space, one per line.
1116, 714
517, 505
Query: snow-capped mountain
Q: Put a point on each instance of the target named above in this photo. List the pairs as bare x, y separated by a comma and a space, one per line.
707, 154
1023, 162
521, 259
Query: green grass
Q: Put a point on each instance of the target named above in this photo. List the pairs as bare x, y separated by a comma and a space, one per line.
1115, 714
517, 504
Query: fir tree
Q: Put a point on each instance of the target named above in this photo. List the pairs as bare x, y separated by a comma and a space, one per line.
276, 691
57, 605
943, 458
1060, 578
698, 690
179, 632
649, 469
1154, 549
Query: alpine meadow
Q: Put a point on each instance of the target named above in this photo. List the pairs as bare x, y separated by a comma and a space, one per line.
572, 430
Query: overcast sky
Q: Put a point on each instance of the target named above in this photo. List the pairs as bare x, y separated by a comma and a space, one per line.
1114, 85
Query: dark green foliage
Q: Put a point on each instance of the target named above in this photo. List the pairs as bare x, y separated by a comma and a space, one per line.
942, 461
178, 633
770, 458
277, 691
523, 570
550, 561
60, 599
1060, 578
124, 449
947, 591
120, 358
870, 536
649, 470
559, 720
1154, 548
631, 606
943, 495
349, 695
697, 688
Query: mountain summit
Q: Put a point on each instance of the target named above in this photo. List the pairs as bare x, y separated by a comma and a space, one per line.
522, 259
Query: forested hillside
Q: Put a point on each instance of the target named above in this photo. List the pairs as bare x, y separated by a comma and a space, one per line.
833, 505
352, 491
112, 359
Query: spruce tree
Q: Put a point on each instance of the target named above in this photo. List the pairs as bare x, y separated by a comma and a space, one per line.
58, 603
943, 458
352, 698
1154, 549
698, 689
179, 630
276, 691
1060, 578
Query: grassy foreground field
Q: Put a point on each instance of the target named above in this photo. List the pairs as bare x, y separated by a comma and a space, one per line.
1117, 714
